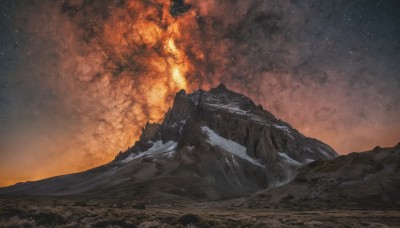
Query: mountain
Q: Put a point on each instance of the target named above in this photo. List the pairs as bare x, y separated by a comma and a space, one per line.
211, 145
359, 180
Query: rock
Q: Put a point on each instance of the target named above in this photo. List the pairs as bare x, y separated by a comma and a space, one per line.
150, 131
188, 219
147, 159
80, 204
140, 206
357, 180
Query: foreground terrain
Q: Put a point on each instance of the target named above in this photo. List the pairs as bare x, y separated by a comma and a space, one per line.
70, 213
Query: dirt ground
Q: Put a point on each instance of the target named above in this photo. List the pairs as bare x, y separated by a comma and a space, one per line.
32, 212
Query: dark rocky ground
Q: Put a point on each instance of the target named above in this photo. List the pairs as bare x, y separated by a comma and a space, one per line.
356, 190
60, 212
367, 180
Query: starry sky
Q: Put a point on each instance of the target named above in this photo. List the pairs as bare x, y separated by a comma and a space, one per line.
79, 79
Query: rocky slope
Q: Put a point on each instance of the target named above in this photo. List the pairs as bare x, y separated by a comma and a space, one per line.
361, 180
212, 144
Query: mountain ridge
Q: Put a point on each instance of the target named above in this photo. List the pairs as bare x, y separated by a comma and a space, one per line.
211, 144
369, 179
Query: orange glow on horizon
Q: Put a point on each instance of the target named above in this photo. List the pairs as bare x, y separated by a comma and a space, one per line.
144, 63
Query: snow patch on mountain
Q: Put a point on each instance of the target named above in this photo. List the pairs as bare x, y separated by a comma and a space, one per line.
324, 152
232, 108
228, 145
158, 148
290, 160
284, 129
309, 160
235, 109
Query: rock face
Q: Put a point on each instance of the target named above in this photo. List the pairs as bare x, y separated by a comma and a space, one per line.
212, 144
361, 180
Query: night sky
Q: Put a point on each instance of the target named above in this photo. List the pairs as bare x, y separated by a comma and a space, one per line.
79, 79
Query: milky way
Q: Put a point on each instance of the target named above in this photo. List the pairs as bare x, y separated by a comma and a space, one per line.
79, 79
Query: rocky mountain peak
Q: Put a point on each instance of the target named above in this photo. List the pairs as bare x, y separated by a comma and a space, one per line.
150, 131
221, 86
229, 130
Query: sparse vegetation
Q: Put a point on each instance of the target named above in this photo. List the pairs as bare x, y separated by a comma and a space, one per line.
68, 213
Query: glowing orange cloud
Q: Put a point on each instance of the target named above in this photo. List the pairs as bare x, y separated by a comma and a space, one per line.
145, 40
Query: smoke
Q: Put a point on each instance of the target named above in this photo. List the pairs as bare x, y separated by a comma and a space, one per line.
84, 76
